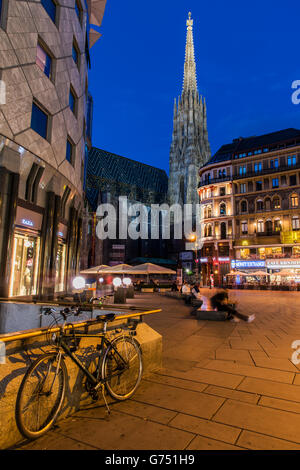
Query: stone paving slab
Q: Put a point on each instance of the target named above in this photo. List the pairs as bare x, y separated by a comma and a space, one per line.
276, 423
234, 394
205, 428
280, 404
254, 441
189, 402
270, 389
203, 443
223, 386
251, 371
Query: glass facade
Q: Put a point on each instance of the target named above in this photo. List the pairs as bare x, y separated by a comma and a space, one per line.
25, 265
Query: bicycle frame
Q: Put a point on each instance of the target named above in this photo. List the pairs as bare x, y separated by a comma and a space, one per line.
105, 343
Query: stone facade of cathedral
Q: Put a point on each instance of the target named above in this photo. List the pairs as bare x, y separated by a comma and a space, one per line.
190, 147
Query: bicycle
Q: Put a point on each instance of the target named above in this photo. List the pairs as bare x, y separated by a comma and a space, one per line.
118, 369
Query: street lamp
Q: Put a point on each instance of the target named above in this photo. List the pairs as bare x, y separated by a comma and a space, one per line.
193, 238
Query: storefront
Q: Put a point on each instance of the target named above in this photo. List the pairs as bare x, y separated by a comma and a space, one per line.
26, 248
284, 271
60, 277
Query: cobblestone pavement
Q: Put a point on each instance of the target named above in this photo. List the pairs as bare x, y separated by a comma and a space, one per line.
223, 385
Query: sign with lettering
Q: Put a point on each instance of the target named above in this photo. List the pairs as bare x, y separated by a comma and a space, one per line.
247, 264
283, 263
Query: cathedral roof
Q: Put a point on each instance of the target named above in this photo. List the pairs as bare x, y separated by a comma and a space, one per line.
108, 168
241, 146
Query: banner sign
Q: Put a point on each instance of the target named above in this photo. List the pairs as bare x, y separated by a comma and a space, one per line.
241, 264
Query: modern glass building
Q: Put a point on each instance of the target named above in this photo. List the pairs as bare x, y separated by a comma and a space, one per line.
44, 70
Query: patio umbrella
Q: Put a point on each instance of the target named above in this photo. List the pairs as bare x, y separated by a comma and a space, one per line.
260, 273
237, 273
149, 268
94, 270
118, 269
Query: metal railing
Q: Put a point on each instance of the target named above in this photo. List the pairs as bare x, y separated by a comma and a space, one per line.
21, 335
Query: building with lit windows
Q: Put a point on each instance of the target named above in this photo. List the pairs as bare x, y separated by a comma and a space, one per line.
44, 62
259, 206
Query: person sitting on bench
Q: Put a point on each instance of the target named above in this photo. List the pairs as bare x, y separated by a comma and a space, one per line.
196, 298
220, 302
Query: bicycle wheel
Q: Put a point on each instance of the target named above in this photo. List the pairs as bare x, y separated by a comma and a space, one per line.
122, 375
41, 395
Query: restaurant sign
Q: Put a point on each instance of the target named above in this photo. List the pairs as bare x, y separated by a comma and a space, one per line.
241, 264
283, 263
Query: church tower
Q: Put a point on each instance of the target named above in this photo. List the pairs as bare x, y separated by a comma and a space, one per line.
190, 148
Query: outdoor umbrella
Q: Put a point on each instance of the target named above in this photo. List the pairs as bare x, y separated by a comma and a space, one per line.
149, 268
237, 273
260, 273
118, 269
94, 270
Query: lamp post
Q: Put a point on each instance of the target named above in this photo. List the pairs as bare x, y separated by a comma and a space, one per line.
193, 238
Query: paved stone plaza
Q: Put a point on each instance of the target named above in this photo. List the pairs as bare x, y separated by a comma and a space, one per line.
223, 386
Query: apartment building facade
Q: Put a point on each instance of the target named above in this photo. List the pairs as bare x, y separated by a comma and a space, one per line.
259, 180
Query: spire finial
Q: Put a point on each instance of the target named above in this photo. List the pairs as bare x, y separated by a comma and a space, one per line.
189, 79
189, 22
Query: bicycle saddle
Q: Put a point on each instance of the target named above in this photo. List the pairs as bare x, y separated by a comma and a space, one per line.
107, 317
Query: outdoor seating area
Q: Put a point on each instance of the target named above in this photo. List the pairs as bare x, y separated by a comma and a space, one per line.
145, 277
284, 280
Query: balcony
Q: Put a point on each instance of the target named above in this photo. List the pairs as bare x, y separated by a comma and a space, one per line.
268, 234
266, 171
214, 181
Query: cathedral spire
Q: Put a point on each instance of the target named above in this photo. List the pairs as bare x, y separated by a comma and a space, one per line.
189, 78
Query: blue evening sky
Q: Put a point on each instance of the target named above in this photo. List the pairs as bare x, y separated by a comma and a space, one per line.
247, 56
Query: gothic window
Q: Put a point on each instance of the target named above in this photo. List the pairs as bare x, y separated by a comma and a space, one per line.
259, 205
277, 225
244, 207
244, 227
223, 231
295, 223
260, 226
223, 208
276, 203
181, 189
269, 226
294, 200
268, 204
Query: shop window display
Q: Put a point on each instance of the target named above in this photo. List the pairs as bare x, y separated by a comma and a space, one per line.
25, 265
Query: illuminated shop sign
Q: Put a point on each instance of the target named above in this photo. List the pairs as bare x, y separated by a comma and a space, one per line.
203, 260
60, 234
248, 264
27, 222
224, 259
283, 264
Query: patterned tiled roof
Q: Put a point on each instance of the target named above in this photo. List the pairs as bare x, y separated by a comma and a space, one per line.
109, 167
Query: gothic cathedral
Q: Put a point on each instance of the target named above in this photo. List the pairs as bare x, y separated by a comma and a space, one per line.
190, 147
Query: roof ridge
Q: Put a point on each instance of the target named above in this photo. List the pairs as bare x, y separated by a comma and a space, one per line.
129, 159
